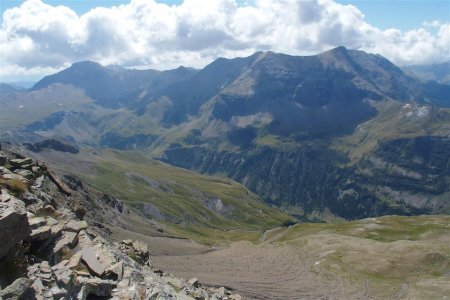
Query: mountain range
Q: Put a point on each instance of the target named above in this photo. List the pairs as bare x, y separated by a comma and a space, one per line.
342, 133
437, 72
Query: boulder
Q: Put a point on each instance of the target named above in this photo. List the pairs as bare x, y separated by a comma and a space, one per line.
72, 237
83, 293
89, 257
74, 261
21, 163
44, 267
29, 198
14, 225
24, 173
76, 226
2, 159
38, 286
58, 293
116, 270
63, 188
38, 182
127, 242
141, 249
41, 234
176, 282
60, 244
83, 239
17, 290
68, 239
97, 287
57, 229
51, 221
66, 214
47, 210
12, 176
64, 276
194, 282
36, 222
4, 170
45, 273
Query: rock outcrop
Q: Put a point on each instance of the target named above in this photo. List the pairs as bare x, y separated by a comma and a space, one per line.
48, 252
14, 225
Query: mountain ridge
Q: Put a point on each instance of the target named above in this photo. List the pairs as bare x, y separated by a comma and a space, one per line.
346, 104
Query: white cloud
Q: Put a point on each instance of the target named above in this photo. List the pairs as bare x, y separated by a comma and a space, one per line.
37, 37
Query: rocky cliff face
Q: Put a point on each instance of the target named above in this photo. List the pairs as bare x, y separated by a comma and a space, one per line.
52, 246
402, 176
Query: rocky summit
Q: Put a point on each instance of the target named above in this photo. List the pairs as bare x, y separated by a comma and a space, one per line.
51, 248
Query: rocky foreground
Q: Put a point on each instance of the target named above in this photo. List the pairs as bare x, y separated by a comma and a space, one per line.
49, 251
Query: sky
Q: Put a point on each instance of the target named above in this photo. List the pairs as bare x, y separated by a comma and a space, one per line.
40, 37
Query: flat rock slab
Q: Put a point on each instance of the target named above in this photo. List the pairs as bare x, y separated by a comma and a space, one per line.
89, 256
74, 261
41, 233
57, 229
4, 170
76, 226
21, 162
36, 222
72, 237
69, 239
25, 173
12, 176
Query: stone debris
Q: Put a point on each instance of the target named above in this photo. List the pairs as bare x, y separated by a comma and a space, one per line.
63, 257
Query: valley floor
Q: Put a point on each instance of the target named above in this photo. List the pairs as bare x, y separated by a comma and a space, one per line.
382, 258
257, 272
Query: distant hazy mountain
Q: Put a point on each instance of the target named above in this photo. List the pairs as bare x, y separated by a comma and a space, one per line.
24, 84
438, 72
343, 132
8, 88
114, 86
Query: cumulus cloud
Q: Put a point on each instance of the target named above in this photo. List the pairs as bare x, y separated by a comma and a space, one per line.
37, 37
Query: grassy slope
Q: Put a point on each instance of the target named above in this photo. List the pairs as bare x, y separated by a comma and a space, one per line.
395, 120
392, 257
20, 109
180, 195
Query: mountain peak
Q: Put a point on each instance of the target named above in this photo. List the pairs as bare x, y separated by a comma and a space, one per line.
338, 52
86, 65
338, 49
